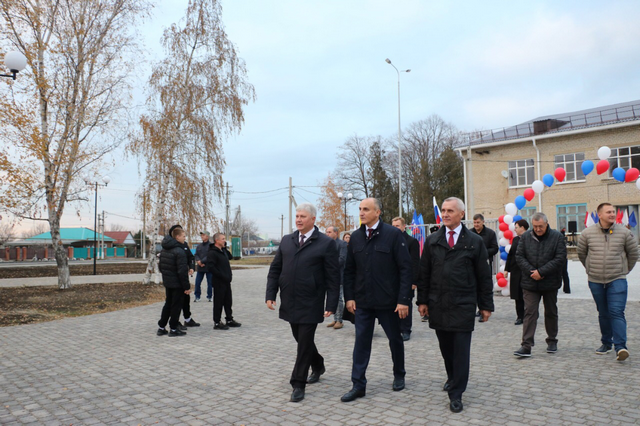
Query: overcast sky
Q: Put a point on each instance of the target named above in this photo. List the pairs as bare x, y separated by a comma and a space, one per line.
320, 76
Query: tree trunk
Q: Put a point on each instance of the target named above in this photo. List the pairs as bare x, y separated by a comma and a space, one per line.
64, 277
152, 265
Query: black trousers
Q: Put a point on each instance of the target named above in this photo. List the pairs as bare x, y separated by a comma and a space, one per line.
520, 308
186, 306
307, 355
222, 298
365, 324
456, 353
172, 307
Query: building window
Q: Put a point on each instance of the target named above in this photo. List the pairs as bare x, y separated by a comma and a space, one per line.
527, 212
521, 173
626, 158
570, 213
571, 163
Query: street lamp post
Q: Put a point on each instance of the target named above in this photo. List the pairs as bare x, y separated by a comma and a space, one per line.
16, 62
399, 140
346, 198
106, 180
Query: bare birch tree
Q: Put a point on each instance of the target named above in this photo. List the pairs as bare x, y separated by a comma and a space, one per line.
63, 114
352, 172
197, 96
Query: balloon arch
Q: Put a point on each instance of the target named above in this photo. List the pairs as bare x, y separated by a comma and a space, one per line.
506, 225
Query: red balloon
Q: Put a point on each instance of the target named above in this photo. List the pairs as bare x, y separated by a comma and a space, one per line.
602, 166
499, 276
560, 174
529, 194
502, 282
631, 175
501, 220
508, 234
503, 226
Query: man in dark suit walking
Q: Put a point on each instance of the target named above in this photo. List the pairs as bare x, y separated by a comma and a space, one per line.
414, 251
305, 270
454, 279
377, 284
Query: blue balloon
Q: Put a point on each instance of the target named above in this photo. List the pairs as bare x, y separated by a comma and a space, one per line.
587, 167
503, 255
548, 180
520, 201
517, 218
502, 248
618, 174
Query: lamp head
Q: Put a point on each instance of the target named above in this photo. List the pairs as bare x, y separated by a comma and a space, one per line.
407, 70
340, 194
387, 61
15, 61
350, 196
106, 180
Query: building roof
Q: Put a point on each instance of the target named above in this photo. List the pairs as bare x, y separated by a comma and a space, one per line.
557, 123
121, 237
67, 235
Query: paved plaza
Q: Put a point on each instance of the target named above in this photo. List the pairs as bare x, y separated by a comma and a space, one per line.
112, 369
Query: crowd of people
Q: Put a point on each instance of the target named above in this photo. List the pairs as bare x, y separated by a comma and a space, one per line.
372, 278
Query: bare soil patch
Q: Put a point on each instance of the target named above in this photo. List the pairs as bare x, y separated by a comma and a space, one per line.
36, 271
24, 305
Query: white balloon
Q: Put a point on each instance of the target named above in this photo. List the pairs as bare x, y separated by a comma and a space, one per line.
502, 269
638, 183
502, 262
537, 186
503, 242
506, 292
508, 219
512, 227
511, 210
496, 287
604, 152
507, 248
500, 235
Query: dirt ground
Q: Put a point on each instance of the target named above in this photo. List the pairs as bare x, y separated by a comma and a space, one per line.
51, 270
24, 305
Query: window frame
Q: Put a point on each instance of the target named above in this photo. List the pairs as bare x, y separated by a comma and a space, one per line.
577, 164
517, 168
580, 221
628, 156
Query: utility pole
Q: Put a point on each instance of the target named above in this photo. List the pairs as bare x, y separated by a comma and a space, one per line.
239, 227
290, 205
281, 227
144, 225
102, 254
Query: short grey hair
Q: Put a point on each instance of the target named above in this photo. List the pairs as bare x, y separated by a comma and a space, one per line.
333, 228
459, 202
539, 216
217, 236
376, 202
307, 207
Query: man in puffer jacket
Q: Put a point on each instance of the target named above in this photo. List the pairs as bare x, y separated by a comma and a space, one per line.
609, 252
541, 256
175, 277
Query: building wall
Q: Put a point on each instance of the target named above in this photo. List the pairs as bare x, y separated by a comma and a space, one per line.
488, 191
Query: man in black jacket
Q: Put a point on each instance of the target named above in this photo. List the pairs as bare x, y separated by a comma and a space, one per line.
541, 256
186, 306
490, 242
218, 265
414, 251
175, 278
304, 270
454, 279
377, 284
201, 267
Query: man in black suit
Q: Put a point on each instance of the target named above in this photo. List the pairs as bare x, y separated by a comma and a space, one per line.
305, 270
454, 278
377, 284
333, 232
490, 242
414, 251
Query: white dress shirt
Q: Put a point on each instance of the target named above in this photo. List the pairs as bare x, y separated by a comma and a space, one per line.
455, 235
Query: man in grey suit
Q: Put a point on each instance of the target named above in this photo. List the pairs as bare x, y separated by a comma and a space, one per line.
334, 233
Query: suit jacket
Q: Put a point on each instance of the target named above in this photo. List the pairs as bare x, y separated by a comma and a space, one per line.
342, 257
512, 267
304, 276
414, 252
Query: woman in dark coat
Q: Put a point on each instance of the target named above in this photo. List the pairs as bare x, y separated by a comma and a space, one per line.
511, 266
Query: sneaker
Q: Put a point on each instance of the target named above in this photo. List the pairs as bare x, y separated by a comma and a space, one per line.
622, 354
604, 349
338, 325
552, 348
191, 323
197, 299
220, 326
181, 326
177, 332
331, 324
162, 332
208, 299
233, 323
523, 352
425, 318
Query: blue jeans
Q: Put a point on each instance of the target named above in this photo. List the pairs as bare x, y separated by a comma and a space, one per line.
199, 277
611, 299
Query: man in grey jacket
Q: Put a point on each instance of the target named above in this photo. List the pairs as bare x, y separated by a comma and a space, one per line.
609, 252
541, 256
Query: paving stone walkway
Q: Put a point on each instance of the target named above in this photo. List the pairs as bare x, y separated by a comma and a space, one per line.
112, 369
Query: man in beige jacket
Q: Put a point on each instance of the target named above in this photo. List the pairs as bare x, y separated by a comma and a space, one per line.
609, 252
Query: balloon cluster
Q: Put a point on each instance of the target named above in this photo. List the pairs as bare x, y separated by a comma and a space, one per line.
506, 222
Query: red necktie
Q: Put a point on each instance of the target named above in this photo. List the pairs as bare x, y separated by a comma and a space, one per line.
370, 230
302, 237
451, 241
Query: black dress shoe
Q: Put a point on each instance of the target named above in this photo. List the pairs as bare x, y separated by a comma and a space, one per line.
447, 386
455, 405
406, 336
314, 377
518, 321
352, 395
233, 323
398, 383
297, 395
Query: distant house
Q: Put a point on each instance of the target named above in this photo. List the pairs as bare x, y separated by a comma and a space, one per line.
74, 237
122, 238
